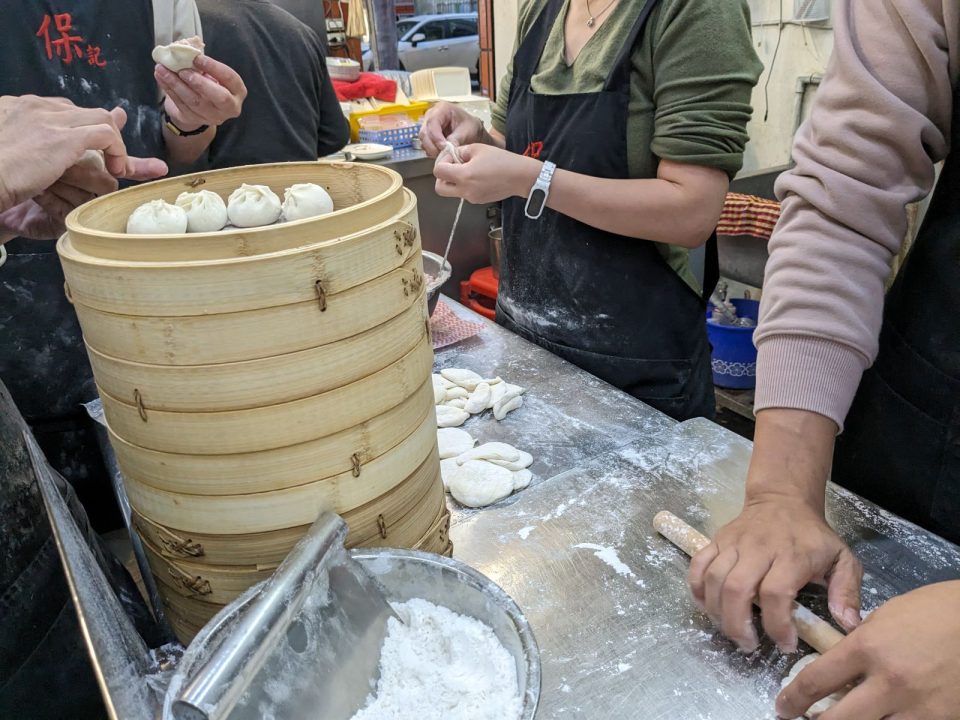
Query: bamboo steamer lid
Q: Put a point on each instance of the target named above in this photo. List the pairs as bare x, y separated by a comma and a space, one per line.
363, 195
264, 381
289, 507
204, 287
272, 426
393, 520
235, 337
278, 468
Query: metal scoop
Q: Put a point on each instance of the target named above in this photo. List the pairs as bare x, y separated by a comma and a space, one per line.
362, 612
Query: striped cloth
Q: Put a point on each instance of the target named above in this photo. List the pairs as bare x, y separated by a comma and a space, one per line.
748, 215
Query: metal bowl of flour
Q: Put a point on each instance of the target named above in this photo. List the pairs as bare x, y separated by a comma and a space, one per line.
290, 688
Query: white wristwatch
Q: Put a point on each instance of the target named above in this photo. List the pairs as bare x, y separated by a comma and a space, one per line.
537, 199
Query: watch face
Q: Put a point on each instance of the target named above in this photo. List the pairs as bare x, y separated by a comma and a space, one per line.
536, 203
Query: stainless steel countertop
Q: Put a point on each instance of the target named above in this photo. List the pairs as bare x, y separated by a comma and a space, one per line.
606, 596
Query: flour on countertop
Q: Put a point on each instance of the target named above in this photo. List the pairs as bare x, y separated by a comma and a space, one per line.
442, 666
610, 557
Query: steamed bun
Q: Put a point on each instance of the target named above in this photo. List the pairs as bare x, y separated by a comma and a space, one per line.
206, 211
253, 206
305, 200
157, 218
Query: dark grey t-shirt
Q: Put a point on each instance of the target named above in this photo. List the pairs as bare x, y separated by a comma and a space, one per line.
291, 112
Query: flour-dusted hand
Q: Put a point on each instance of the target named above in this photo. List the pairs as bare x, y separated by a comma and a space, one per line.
209, 94
487, 175
904, 660
448, 122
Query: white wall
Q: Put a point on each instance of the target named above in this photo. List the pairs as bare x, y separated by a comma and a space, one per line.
804, 52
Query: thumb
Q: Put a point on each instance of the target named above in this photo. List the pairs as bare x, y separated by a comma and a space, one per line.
843, 590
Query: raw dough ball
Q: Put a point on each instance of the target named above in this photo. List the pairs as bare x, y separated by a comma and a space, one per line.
178, 55
507, 404
453, 442
521, 479
467, 379
253, 206
478, 484
439, 392
305, 200
491, 451
522, 463
456, 393
821, 706
447, 469
478, 399
450, 417
157, 218
206, 211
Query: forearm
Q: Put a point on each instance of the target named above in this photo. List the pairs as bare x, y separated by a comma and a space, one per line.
792, 455
184, 151
656, 209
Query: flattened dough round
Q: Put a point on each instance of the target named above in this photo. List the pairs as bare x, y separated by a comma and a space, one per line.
453, 442
450, 416
491, 451
521, 479
478, 484
522, 463
448, 468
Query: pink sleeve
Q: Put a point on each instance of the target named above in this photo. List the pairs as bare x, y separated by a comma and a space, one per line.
880, 123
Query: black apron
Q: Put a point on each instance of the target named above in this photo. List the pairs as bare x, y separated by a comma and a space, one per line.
609, 304
901, 446
96, 53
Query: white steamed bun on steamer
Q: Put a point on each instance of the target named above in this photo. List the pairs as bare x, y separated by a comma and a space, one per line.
206, 211
253, 206
157, 218
305, 200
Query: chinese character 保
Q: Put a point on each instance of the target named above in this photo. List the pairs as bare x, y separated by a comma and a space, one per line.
67, 45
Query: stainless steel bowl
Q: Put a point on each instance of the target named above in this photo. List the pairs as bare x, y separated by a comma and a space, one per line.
496, 241
286, 687
437, 274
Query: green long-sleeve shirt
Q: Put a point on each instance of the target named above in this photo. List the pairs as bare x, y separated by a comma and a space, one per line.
694, 70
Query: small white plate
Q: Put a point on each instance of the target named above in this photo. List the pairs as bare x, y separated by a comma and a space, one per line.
368, 151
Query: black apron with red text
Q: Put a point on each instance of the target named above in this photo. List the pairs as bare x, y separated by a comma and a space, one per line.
609, 304
96, 53
901, 446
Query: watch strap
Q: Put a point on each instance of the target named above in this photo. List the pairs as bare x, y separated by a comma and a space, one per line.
172, 127
540, 192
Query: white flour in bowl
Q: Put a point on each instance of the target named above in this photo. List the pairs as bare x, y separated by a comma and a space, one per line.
442, 666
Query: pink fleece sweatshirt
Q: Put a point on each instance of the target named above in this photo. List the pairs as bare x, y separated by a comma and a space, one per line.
880, 123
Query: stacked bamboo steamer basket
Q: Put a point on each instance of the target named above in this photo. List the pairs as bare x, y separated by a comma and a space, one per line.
253, 378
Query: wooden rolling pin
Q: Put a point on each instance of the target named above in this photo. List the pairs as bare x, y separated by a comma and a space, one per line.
817, 633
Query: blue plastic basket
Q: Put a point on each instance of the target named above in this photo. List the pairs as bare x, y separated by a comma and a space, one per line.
395, 137
734, 358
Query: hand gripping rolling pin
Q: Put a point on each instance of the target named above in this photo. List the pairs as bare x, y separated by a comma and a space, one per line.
817, 633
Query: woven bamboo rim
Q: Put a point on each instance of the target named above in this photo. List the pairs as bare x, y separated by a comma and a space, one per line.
240, 336
227, 286
267, 381
395, 514
279, 468
274, 426
365, 195
265, 511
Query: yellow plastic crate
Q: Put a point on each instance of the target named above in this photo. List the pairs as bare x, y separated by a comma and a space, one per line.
415, 111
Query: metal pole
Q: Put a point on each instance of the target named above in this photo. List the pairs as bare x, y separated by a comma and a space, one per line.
372, 34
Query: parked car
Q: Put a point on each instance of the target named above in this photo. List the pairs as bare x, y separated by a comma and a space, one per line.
428, 41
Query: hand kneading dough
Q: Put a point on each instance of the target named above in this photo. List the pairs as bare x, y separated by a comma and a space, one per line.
305, 200
453, 442
157, 218
490, 451
821, 706
521, 479
206, 211
450, 417
253, 206
479, 399
178, 55
478, 484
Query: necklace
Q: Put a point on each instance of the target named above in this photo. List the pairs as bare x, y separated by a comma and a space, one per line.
592, 20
